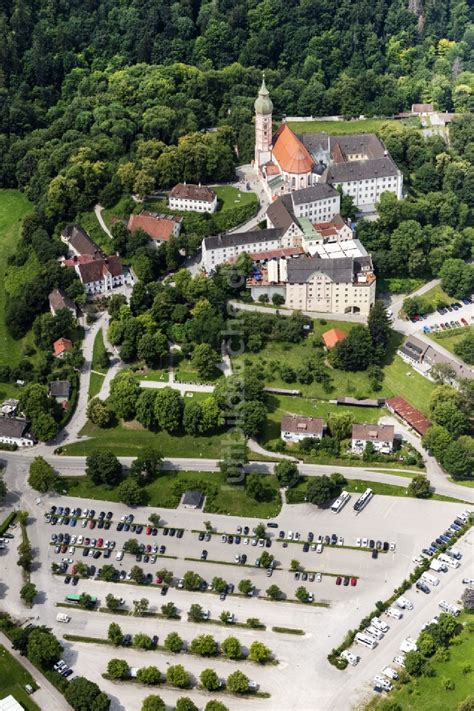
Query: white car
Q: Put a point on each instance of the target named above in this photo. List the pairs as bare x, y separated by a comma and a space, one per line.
398, 659
71, 550
340, 541
254, 541
359, 542
245, 541
365, 542
393, 546
237, 558
80, 540
73, 539
468, 581
85, 513
128, 576
261, 542
319, 577
181, 584
290, 535
319, 548
253, 686
119, 555
310, 597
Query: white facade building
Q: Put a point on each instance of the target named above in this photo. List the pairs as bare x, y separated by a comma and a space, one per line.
381, 437
14, 430
192, 198
295, 428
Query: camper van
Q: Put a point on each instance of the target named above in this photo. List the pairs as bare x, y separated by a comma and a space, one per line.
62, 617
447, 560
365, 640
379, 624
394, 612
374, 632
408, 645
404, 603
430, 579
351, 658
439, 565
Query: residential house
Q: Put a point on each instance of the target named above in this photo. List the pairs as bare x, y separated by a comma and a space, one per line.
196, 198
380, 436
295, 428
9, 407
423, 357
60, 390
102, 275
59, 300
14, 430
61, 347
160, 228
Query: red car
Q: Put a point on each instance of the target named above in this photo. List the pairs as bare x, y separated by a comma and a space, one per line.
158, 580
463, 321
148, 548
148, 530
91, 523
87, 541
353, 582
100, 542
338, 580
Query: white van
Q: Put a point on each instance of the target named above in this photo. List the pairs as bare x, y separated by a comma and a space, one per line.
430, 579
62, 617
379, 624
447, 560
394, 612
404, 602
374, 632
449, 607
365, 640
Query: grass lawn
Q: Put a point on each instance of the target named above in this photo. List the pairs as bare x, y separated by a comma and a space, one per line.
448, 339
161, 375
360, 485
129, 438
95, 384
188, 375
18, 277
400, 379
13, 208
13, 678
229, 197
97, 350
338, 128
231, 500
429, 693
436, 297
398, 285
120, 210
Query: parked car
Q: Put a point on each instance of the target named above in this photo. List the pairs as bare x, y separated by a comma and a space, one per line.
338, 580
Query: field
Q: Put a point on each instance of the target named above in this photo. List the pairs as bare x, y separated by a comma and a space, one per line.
400, 379
338, 128
95, 384
13, 207
430, 693
128, 439
436, 297
13, 678
229, 499
448, 339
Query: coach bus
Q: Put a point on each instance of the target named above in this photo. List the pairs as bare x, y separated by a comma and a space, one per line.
340, 502
363, 500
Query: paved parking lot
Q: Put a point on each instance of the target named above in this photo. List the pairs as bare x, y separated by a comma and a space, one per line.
409, 523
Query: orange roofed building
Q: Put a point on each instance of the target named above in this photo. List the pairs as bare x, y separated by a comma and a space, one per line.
160, 228
333, 336
61, 347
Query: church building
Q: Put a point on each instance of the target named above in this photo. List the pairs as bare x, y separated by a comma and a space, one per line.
359, 164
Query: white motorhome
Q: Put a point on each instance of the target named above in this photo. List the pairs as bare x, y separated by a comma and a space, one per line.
408, 645
430, 579
381, 683
394, 612
365, 640
62, 617
374, 632
391, 673
379, 624
439, 565
353, 659
449, 607
454, 553
447, 560
404, 603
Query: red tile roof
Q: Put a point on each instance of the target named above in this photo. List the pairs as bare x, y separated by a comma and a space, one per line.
99, 268
61, 346
333, 336
410, 414
291, 154
159, 228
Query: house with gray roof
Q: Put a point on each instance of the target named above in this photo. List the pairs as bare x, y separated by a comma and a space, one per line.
14, 430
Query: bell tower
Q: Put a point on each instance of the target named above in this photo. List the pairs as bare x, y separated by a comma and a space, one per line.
263, 126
